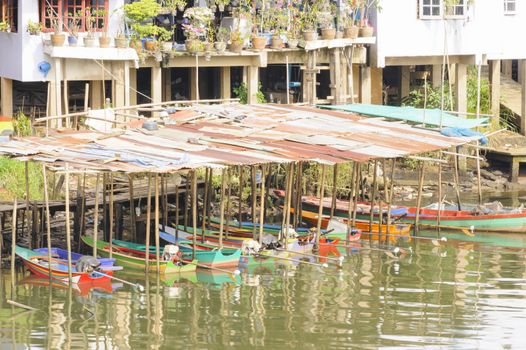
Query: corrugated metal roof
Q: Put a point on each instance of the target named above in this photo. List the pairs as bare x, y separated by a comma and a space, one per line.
223, 135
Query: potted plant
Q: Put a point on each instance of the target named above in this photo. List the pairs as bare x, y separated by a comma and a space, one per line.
89, 39
148, 32
366, 30
165, 37
33, 28
5, 27
278, 24
138, 14
326, 16
259, 26
73, 26
350, 29
171, 6
293, 33
237, 40
221, 39
57, 37
221, 4
121, 42
309, 21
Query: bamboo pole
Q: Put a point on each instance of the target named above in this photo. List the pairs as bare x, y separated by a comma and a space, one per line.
439, 194
164, 188
351, 201
254, 198
297, 203
111, 216
205, 207
320, 208
68, 228
222, 207
419, 196
48, 215
457, 183
82, 226
479, 185
262, 204
334, 179
281, 236
26, 210
240, 219
96, 217
185, 214
229, 192
390, 202
211, 192
13, 240
194, 211
156, 222
148, 222
132, 209
356, 191
161, 205
373, 194
289, 200
104, 205
177, 209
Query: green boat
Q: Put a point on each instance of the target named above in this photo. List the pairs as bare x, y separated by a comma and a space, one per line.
131, 260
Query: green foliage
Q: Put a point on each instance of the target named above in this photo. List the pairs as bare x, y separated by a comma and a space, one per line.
485, 99
142, 10
22, 124
148, 30
241, 92
417, 98
12, 180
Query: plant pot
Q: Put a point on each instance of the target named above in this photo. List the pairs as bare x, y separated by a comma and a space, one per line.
221, 7
328, 33
208, 46
72, 40
90, 42
58, 39
259, 42
137, 45
309, 35
149, 45
276, 42
236, 47
104, 41
293, 43
166, 46
366, 32
220, 46
121, 42
351, 32
192, 46
339, 35
213, 8
180, 8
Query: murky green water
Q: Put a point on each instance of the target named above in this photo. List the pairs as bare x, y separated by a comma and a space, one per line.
462, 295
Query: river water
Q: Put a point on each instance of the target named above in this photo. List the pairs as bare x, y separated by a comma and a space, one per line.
461, 295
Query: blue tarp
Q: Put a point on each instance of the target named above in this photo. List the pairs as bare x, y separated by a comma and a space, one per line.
411, 114
459, 132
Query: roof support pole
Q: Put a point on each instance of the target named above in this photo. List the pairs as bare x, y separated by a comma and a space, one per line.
205, 205
13, 241
148, 223
334, 189
372, 199
194, 211
68, 224
96, 217
110, 216
241, 185
228, 200
320, 207
419, 196
222, 207
253, 195
353, 168
262, 204
156, 223
390, 200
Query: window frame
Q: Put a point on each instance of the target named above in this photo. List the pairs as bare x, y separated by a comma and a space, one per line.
443, 10
62, 8
509, 12
463, 6
431, 6
9, 13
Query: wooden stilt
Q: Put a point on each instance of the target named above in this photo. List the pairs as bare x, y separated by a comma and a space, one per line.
161, 207
439, 193
186, 195
289, 200
82, 225
253, 194
262, 204
104, 206
479, 185
156, 222
148, 221
241, 185
228, 197
48, 215
457, 183
164, 187
351, 201
13, 240
282, 236
26, 210
133, 219
320, 208
390, 200
372, 199
110, 216
222, 208
334, 189
205, 202
194, 211
210, 196
78, 210
68, 224
419, 196
299, 193
356, 192
177, 209
96, 217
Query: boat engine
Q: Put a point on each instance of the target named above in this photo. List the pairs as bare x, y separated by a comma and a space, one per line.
250, 247
87, 264
171, 253
270, 241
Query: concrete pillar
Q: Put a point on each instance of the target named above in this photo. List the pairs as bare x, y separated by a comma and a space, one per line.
377, 85
506, 68
365, 84
157, 85
167, 84
461, 103
253, 84
494, 84
96, 99
50, 110
522, 63
118, 84
133, 86
6, 97
58, 91
436, 75
193, 77
225, 82
345, 79
405, 81
520, 72
452, 73
335, 75
126, 83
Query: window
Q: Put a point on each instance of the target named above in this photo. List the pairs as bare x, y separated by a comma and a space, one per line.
65, 10
430, 8
9, 13
457, 9
438, 9
509, 7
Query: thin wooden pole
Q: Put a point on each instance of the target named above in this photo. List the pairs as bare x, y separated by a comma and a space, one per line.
222, 207
479, 185
262, 204
132, 209
457, 183
96, 217
373, 195
320, 207
13, 240
156, 223
419, 196
439, 193
334, 189
241, 185
104, 205
186, 194
228, 197
285, 205
26, 210
68, 224
82, 225
390, 202
164, 188
48, 215
210, 194
205, 206
148, 222
289, 201
386, 196
351, 201
194, 211
254, 198
356, 192
111, 216
297, 198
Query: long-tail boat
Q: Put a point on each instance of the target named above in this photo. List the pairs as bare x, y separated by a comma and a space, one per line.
40, 265
62, 254
135, 261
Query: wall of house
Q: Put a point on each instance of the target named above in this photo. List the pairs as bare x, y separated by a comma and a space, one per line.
485, 30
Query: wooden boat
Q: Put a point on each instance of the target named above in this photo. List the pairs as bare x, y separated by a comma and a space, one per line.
40, 265
505, 220
82, 289
394, 229
311, 203
206, 256
62, 254
135, 261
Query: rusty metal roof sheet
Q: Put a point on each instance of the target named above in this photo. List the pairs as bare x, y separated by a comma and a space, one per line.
224, 135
